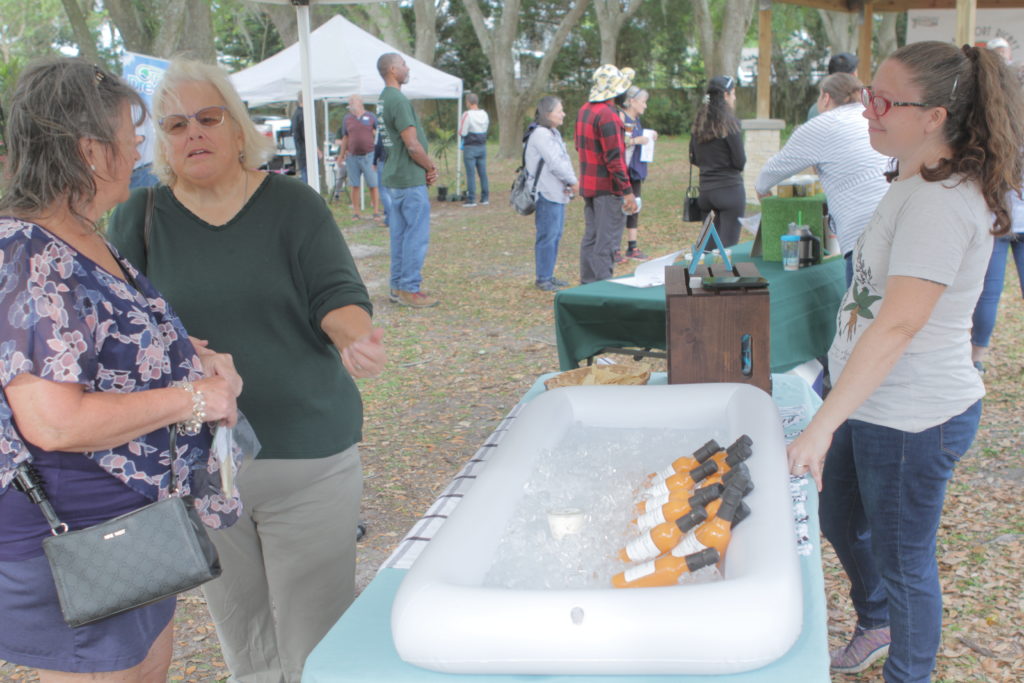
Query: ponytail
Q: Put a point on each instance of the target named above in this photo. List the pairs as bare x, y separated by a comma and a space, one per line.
985, 118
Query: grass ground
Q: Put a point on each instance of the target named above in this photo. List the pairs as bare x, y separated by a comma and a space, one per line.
456, 369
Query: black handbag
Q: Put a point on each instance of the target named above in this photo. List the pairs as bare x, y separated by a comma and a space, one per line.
691, 206
139, 558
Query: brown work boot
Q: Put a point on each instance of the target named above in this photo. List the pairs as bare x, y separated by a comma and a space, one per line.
416, 299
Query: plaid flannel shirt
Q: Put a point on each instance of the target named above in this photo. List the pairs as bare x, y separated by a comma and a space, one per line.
601, 145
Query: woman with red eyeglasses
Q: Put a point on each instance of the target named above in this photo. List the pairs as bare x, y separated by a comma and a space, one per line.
905, 402
255, 263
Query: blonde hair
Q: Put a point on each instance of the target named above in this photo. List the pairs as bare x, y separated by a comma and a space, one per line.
256, 148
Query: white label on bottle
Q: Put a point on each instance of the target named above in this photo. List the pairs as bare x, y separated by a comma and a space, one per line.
659, 489
651, 519
642, 548
688, 546
639, 571
667, 472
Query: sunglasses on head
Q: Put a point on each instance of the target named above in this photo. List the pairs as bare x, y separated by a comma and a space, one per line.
207, 117
881, 105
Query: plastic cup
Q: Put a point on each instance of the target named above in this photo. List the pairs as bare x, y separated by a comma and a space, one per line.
565, 521
790, 252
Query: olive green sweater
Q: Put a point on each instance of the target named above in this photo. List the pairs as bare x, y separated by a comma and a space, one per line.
258, 288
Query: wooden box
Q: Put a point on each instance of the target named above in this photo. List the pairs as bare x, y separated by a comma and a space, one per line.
717, 336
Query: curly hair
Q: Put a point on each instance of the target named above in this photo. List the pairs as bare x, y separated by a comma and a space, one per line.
985, 122
715, 118
57, 102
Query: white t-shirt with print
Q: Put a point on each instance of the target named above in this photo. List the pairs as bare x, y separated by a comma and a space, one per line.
937, 231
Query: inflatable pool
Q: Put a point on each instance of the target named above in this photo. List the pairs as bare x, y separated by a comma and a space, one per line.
446, 617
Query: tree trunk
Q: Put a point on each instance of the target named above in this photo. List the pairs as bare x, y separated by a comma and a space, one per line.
388, 20
425, 12
80, 29
887, 39
284, 20
185, 28
514, 99
842, 29
722, 54
612, 15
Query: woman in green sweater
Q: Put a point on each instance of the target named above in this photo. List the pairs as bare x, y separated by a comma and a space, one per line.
255, 265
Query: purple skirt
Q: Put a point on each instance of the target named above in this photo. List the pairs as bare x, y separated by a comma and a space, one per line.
33, 632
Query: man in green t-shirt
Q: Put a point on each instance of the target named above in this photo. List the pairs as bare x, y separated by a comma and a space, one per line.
407, 173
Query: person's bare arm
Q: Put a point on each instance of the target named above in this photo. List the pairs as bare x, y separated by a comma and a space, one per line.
357, 340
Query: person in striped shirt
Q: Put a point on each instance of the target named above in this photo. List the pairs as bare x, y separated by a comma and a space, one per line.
837, 145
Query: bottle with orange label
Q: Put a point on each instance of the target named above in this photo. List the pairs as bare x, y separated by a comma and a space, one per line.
646, 506
724, 477
662, 538
717, 531
687, 462
682, 481
664, 571
739, 450
675, 507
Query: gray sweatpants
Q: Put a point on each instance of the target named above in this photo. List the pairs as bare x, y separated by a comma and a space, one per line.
604, 221
289, 564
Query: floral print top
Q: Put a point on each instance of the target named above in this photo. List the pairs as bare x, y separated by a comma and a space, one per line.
64, 318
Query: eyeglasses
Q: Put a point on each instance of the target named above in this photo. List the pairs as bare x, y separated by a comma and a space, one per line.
207, 117
881, 105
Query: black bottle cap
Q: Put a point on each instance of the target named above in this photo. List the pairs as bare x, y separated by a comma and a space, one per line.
737, 453
706, 451
701, 559
740, 469
691, 519
744, 440
732, 497
706, 494
703, 471
742, 512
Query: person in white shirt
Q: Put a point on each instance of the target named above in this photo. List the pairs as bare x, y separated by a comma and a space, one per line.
473, 134
906, 400
836, 143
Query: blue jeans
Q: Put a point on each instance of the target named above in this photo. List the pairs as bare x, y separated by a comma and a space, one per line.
880, 505
357, 165
549, 219
409, 226
385, 193
988, 303
475, 157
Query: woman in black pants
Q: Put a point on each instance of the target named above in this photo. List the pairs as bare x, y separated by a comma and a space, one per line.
716, 147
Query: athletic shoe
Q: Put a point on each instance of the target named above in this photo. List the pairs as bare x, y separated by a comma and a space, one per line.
559, 283
863, 650
636, 254
547, 286
485, 202
416, 299
468, 205
393, 296
618, 259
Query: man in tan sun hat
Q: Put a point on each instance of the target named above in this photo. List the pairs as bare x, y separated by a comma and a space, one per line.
604, 181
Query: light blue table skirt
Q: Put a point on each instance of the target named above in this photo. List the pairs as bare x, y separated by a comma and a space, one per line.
359, 647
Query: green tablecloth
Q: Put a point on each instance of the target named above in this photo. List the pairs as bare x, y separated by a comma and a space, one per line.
603, 314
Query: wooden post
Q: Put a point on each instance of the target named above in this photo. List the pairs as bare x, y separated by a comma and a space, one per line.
864, 70
966, 20
764, 60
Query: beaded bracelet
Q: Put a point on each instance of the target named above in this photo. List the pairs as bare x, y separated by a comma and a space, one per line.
194, 424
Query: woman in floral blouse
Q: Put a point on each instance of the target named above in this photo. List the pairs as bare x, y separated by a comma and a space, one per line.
95, 367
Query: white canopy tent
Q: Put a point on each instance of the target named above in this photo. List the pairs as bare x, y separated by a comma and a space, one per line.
342, 62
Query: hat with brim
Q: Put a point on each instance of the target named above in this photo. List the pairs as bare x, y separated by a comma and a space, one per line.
610, 81
997, 43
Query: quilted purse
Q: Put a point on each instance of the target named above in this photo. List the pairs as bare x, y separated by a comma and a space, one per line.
139, 558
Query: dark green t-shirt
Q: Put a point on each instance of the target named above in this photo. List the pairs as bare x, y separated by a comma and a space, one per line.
400, 170
258, 288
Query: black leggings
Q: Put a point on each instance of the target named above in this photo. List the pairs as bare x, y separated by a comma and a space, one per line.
731, 205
